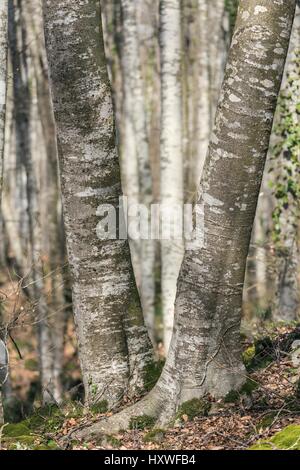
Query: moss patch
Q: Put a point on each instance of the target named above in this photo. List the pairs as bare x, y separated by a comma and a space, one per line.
247, 389
287, 439
20, 437
16, 430
33, 432
112, 440
267, 420
141, 422
193, 408
248, 356
232, 396
99, 408
231, 6
152, 373
259, 355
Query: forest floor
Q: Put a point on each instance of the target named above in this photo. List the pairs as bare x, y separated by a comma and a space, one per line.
265, 414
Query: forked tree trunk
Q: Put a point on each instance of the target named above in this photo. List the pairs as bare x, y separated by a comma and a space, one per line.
113, 344
3, 81
205, 352
171, 172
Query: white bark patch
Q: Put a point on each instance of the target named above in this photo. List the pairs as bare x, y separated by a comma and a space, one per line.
234, 99
212, 201
279, 51
214, 139
245, 15
267, 83
259, 9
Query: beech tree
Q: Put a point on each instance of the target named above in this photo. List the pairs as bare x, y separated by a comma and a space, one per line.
171, 159
135, 160
3, 81
3, 77
114, 348
205, 351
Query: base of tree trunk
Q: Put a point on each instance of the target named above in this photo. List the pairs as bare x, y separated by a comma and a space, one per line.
163, 402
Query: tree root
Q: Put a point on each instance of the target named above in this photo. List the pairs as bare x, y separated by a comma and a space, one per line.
152, 405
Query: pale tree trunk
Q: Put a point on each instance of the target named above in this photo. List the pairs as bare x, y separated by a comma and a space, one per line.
147, 246
50, 202
14, 200
147, 21
204, 120
196, 91
218, 48
205, 352
135, 155
24, 148
113, 344
171, 170
207, 39
286, 305
3, 81
128, 142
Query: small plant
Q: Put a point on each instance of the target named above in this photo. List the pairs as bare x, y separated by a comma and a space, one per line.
112, 440
247, 389
152, 372
100, 407
141, 422
193, 408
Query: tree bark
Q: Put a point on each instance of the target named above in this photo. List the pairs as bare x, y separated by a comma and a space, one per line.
171, 170
24, 135
205, 352
3, 81
113, 344
135, 155
49, 200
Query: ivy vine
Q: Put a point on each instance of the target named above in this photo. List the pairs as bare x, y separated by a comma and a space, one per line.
286, 156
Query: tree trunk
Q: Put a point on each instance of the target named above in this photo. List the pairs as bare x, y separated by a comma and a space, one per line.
113, 344
3, 81
171, 172
24, 134
205, 352
50, 201
135, 155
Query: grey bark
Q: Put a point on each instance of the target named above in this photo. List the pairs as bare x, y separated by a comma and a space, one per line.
171, 155
135, 155
113, 344
205, 352
24, 134
50, 201
3, 81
